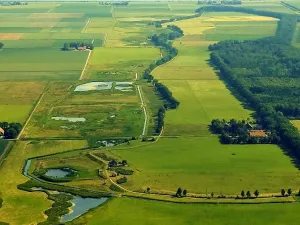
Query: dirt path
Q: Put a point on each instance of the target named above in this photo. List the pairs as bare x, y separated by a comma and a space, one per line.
86, 63
87, 23
32, 112
144, 109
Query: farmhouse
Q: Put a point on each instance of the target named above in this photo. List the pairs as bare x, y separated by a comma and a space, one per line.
81, 48
1, 132
258, 133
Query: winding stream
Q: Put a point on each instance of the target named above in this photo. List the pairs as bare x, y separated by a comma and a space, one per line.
79, 206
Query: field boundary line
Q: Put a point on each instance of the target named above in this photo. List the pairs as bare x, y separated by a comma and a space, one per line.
86, 63
144, 109
7, 148
87, 23
32, 112
112, 11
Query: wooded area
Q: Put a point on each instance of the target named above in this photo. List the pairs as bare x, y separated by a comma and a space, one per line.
266, 73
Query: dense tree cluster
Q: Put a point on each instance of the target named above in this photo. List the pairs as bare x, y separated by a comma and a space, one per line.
11, 130
266, 73
218, 2
238, 132
77, 45
115, 3
13, 3
160, 119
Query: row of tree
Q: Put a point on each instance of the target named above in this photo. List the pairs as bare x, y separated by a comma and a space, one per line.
115, 3
163, 40
11, 130
240, 63
217, 2
77, 45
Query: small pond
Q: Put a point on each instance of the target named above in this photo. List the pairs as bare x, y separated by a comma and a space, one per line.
58, 173
70, 119
81, 206
94, 86
123, 86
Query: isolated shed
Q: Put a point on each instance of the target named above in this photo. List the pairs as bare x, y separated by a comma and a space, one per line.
1, 132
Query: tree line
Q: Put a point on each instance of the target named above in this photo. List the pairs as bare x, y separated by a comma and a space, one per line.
11, 130
241, 63
115, 3
163, 40
76, 45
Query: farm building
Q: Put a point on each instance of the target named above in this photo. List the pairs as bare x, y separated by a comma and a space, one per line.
258, 133
1, 132
81, 48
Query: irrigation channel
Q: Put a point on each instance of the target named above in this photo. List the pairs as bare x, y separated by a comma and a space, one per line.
79, 206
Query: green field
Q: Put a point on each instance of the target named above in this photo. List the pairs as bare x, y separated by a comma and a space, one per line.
17, 204
119, 210
37, 88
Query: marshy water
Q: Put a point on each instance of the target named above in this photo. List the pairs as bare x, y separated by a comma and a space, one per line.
70, 119
58, 173
98, 86
94, 86
80, 205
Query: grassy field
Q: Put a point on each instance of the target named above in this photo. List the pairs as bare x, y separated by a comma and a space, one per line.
187, 155
194, 83
203, 164
17, 204
120, 63
17, 99
178, 214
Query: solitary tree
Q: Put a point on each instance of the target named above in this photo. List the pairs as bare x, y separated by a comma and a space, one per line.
289, 192
212, 194
124, 162
248, 194
148, 190
243, 194
179, 192
184, 192
282, 192
256, 193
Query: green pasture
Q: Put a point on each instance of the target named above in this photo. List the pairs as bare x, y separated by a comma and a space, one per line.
268, 6
88, 9
17, 99
236, 30
119, 210
203, 165
41, 64
201, 94
118, 62
17, 204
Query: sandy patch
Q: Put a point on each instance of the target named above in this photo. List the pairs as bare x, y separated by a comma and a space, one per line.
237, 18
55, 15
10, 36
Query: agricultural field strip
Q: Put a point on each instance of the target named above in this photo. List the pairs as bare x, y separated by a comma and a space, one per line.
87, 23
34, 109
144, 109
85, 65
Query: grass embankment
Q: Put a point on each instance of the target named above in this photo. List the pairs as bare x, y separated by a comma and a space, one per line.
139, 211
17, 204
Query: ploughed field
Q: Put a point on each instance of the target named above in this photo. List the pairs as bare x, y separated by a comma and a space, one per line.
76, 105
